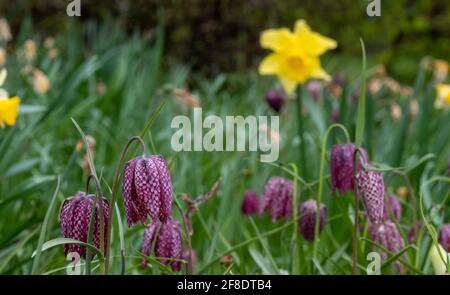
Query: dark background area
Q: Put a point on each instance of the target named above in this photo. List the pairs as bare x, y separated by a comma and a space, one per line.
223, 35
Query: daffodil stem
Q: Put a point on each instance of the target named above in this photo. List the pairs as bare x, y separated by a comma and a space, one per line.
114, 194
303, 164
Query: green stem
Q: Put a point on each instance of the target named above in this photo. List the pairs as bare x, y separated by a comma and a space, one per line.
114, 195
300, 121
359, 134
321, 180
296, 236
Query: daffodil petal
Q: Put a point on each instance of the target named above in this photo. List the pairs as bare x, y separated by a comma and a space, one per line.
276, 39
288, 85
301, 27
269, 65
320, 73
9, 109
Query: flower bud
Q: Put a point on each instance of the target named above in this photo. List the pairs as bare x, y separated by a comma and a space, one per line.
342, 163
308, 217
250, 203
371, 189
275, 100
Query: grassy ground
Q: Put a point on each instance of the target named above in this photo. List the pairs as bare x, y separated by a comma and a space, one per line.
137, 78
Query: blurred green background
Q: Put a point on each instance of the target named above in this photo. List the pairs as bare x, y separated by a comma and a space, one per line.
222, 35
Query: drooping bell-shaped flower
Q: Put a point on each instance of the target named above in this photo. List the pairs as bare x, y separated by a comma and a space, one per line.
275, 99
75, 217
308, 216
277, 198
444, 237
342, 163
250, 203
166, 239
388, 236
371, 190
147, 189
394, 206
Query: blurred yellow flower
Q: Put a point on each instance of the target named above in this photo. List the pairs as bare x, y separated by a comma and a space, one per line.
9, 109
443, 96
5, 31
441, 69
41, 83
2, 56
296, 54
438, 261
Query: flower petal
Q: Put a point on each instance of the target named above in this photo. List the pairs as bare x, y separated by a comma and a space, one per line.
276, 39
269, 65
288, 85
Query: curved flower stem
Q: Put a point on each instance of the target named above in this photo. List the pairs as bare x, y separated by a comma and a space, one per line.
98, 201
321, 180
356, 209
187, 229
114, 194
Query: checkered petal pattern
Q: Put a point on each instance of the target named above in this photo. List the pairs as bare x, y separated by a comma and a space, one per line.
388, 236
277, 198
307, 221
147, 189
444, 237
395, 207
342, 164
371, 189
75, 216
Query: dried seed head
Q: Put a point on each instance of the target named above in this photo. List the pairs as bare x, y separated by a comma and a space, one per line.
308, 217
394, 206
275, 100
147, 189
250, 203
371, 189
342, 163
444, 237
75, 216
166, 238
277, 197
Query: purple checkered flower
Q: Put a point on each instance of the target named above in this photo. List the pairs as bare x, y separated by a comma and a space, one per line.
250, 203
395, 207
388, 236
444, 237
277, 198
275, 99
75, 216
147, 189
342, 163
371, 190
308, 217
166, 238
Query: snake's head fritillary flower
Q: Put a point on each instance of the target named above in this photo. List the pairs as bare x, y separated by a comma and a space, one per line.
371, 189
275, 99
443, 96
308, 217
277, 198
335, 116
147, 189
250, 203
342, 163
296, 55
388, 236
75, 217
166, 239
9, 109
314, 88
394, 206
444, 237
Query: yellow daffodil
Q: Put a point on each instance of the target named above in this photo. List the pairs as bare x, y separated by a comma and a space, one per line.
9, 109
443, 96
296, 54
